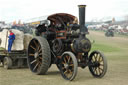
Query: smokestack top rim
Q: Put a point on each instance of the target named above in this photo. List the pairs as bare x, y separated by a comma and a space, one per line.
81, 6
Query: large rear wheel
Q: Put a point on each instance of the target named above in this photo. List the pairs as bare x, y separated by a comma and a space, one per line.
98, 64
39, 56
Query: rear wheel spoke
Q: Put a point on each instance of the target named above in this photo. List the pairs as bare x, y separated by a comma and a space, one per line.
35, 43
33, 48
39, 54
35, 66
40, 58
33, 61
39, 50
31, 54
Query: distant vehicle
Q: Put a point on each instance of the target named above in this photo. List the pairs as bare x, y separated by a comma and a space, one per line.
109, 33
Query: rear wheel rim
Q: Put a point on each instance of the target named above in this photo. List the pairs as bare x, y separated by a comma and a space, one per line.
35, 55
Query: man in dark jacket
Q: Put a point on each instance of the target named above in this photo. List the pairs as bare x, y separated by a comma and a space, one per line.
11, 40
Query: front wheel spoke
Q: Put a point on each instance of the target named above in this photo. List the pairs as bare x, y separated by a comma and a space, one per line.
95, 55
93, 58
33, 61
63, 68
101, 64
92, 61
100, 68
69, 59
100, 59
96, 71
65, 72
70, 72
64, 60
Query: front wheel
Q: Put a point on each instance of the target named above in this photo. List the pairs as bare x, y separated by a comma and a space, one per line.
98, 64
68, 66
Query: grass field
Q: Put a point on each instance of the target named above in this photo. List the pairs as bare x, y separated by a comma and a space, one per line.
114, 48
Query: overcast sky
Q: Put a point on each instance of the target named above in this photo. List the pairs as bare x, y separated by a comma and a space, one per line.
11, 10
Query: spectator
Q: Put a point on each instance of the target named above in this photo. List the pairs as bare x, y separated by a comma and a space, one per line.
11, 40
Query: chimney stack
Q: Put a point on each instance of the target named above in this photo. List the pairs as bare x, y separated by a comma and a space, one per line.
83, 28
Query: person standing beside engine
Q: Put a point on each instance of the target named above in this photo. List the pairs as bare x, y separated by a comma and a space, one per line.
11, 40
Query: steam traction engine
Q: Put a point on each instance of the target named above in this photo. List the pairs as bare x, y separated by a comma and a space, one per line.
62, 41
